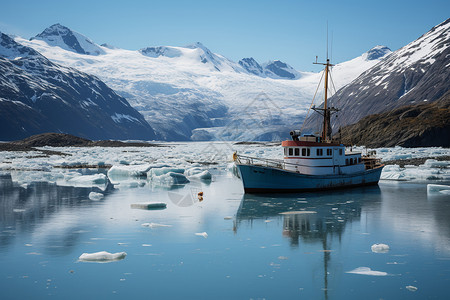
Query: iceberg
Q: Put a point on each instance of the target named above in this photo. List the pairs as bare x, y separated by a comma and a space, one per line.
170, 178
155, 225
380, 248
198, 173
163, 171
203, 234
367, 271
102, 256
95, 196
125, 171
438, 188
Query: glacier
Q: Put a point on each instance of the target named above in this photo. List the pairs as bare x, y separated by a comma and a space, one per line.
191, 93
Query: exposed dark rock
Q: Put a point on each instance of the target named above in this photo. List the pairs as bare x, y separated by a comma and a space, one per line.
423, 125
64, 140
39, 96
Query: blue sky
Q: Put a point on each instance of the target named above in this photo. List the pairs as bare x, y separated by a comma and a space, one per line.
292, 31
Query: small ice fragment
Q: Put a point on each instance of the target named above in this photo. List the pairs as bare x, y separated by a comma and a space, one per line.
283, 257
146, 245
28, 245
367, 271
380, 248
154, 225
95, 196
122, 244
149, 205
437, 188
268, 221
411, 288
102, 256
227, 218
203, 234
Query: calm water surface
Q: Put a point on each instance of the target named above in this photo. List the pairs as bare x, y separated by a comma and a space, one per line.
298, 246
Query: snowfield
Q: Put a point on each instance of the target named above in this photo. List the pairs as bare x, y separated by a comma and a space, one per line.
191, 93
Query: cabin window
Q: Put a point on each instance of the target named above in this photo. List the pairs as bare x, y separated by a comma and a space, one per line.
346, 161
359, 159
329, 152
306, 151
297, 151
285, 151
319, 152
340, 151
291, 151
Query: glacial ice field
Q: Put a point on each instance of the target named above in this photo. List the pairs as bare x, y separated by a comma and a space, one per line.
172, 222
179, 163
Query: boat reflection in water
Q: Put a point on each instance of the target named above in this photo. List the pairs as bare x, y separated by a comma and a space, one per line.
310, 218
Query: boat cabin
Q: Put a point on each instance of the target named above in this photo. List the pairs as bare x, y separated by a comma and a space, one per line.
308, 155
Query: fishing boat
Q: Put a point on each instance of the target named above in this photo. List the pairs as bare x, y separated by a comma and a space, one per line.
310, 162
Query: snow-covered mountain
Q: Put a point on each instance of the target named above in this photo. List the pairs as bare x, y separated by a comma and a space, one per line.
191, 92
61, 36
416, 73
272, 69
37, 95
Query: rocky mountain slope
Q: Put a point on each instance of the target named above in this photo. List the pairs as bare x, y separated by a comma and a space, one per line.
420, 125
37, 95
417, 73
192, 93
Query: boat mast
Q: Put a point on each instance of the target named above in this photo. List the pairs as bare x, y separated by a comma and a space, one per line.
325, 111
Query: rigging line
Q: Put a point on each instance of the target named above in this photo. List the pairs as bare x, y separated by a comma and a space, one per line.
312, 101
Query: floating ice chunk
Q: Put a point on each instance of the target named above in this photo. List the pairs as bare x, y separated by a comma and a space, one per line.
149, 205
198, 173
367, 271
393, 172
95, 196
170, 178
380, 248
155, 225
411, 288
125, 171
227, 218
78, 180
102, 256
432, 163
203, 234
437, 188
164, 170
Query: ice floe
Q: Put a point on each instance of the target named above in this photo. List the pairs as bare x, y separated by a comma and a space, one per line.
438, 188
198, 173
155, 225
95, 196
102, 256
367, 271
411, 288
379, 248
203, 234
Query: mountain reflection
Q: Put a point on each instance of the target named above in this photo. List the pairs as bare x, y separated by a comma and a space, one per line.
24, 207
